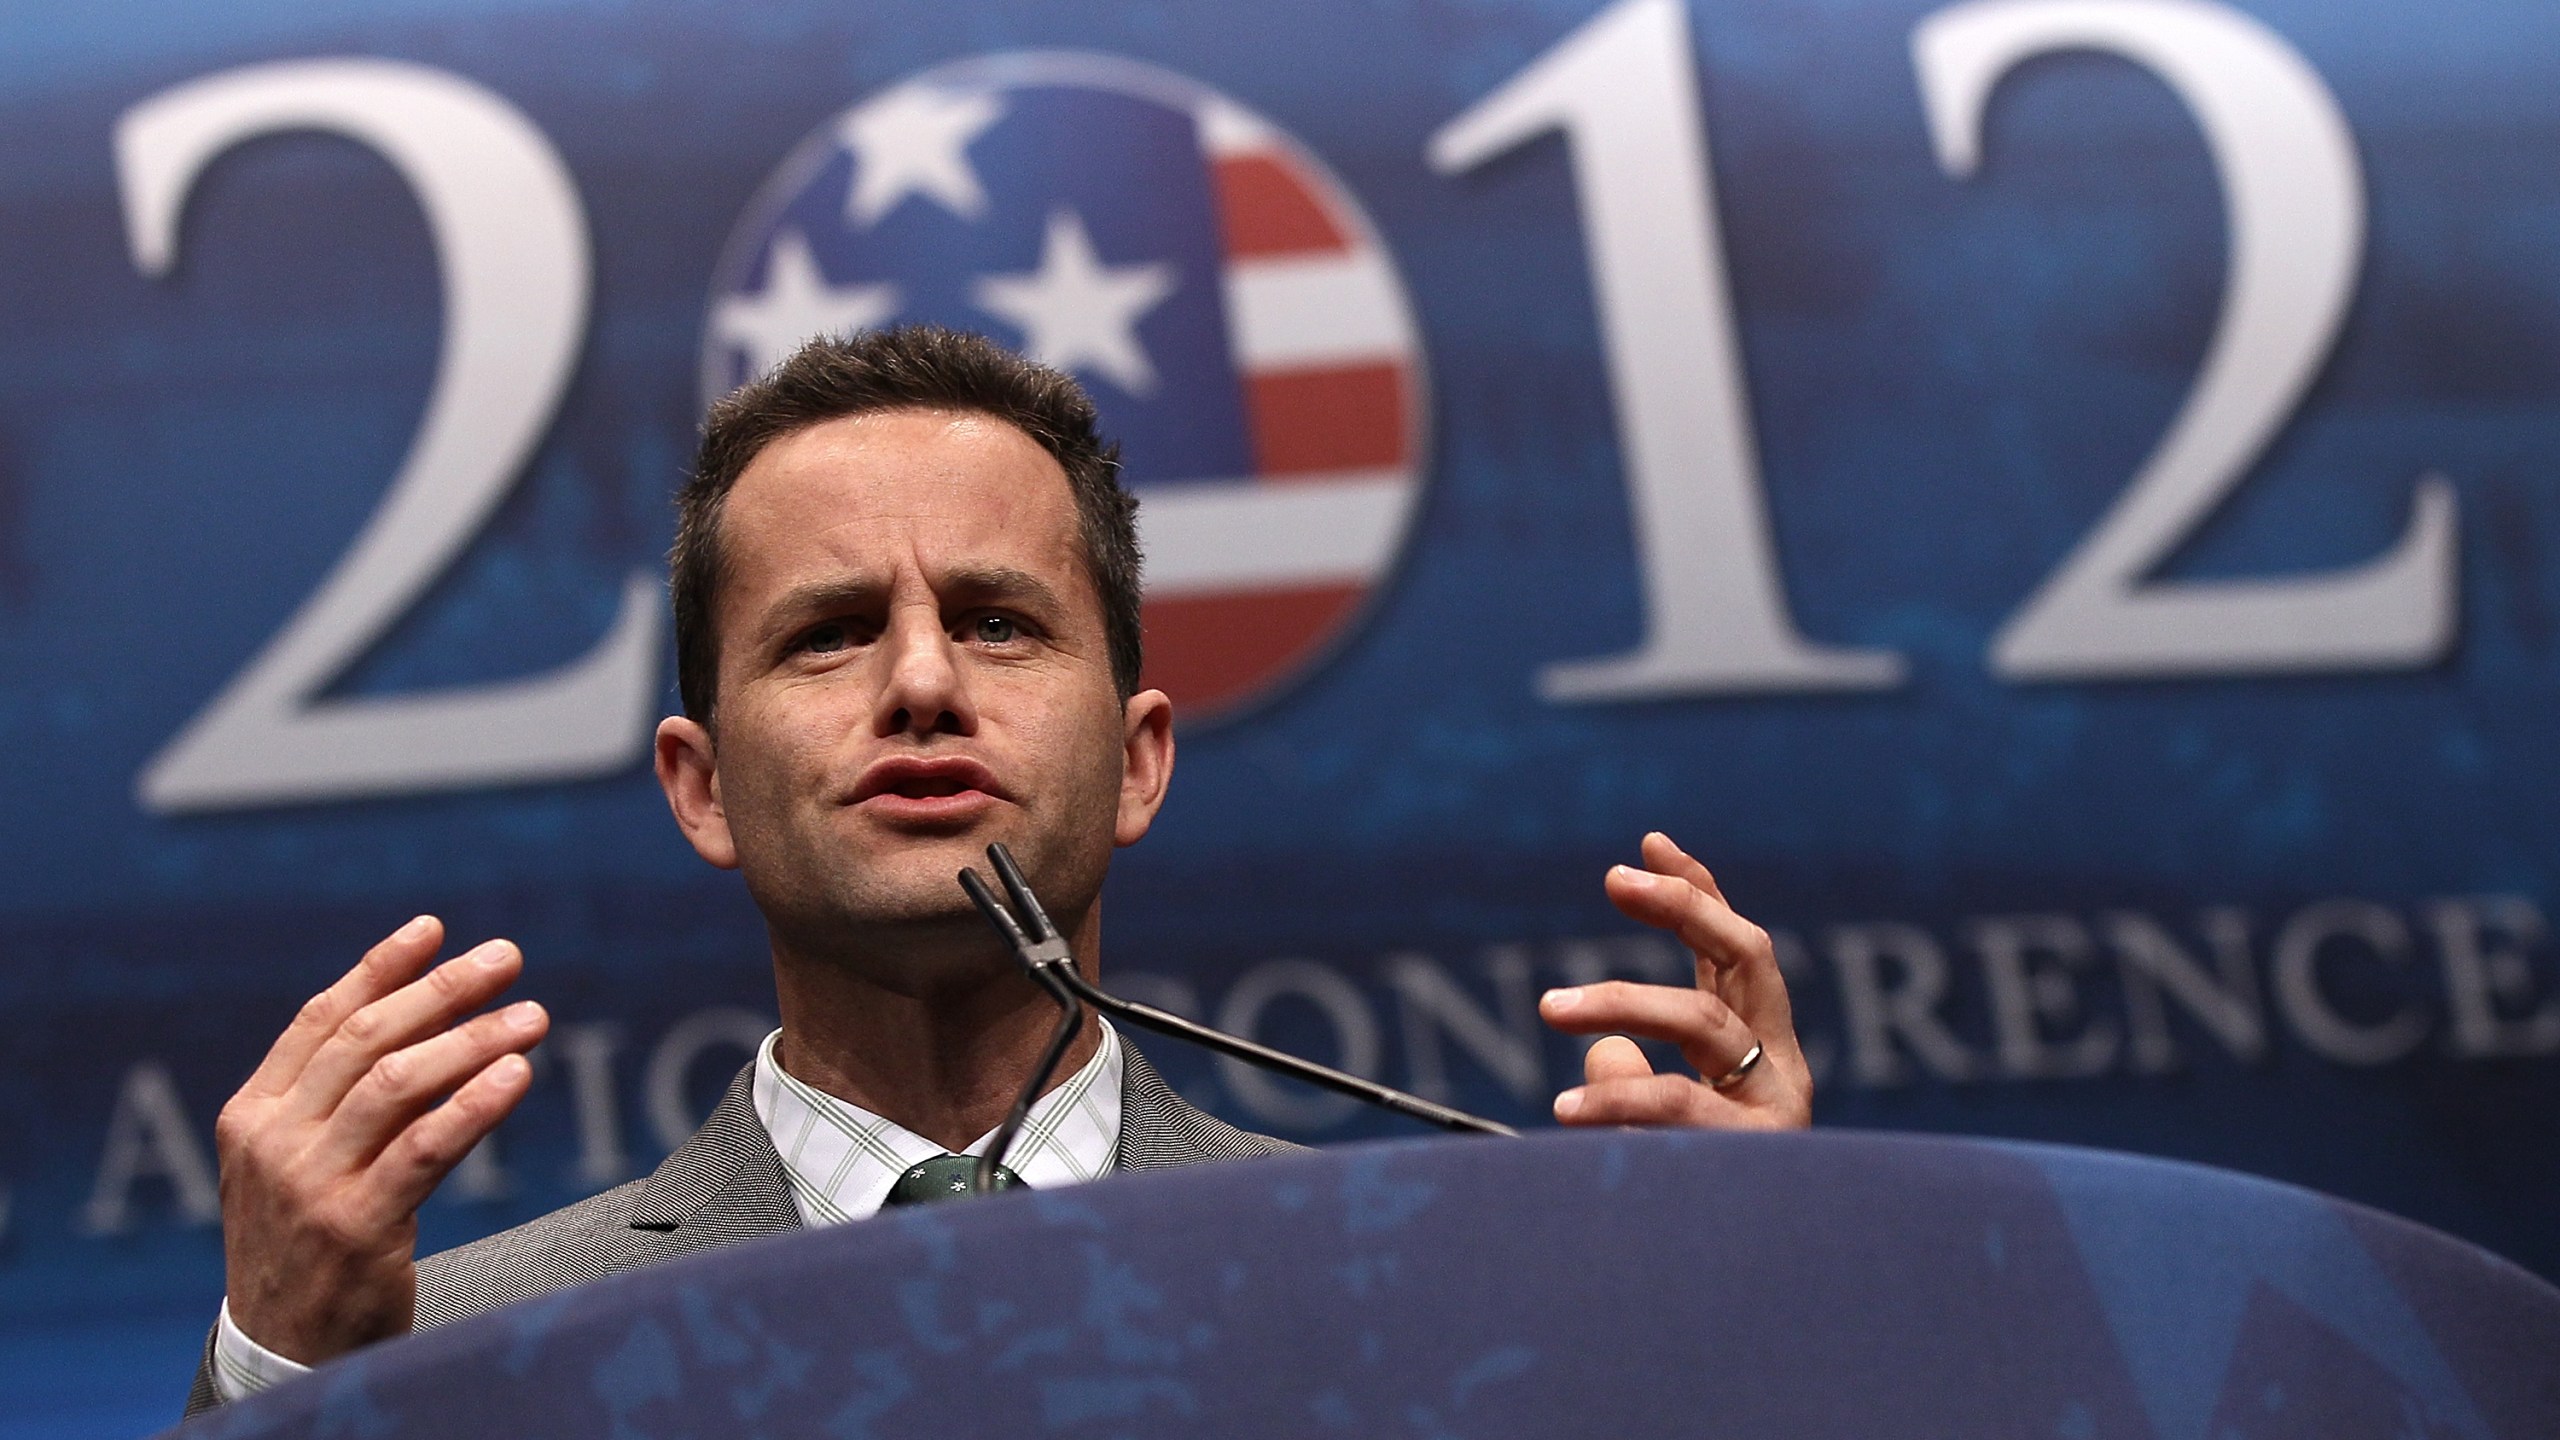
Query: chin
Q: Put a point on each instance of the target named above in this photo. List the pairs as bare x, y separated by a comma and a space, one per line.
917, 888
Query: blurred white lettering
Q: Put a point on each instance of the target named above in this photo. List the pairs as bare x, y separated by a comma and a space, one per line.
2315, 1022
2480, 976
149, 1137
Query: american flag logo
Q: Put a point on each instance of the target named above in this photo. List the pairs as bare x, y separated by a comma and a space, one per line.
1218, 291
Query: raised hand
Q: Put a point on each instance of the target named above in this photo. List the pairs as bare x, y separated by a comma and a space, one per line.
1735, 1026
332, 1145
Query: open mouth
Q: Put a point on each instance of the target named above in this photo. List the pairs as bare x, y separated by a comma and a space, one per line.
912, 780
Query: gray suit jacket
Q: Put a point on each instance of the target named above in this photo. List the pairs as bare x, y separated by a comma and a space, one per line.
725, 1185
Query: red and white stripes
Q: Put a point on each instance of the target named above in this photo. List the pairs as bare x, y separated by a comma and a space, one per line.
1250, 576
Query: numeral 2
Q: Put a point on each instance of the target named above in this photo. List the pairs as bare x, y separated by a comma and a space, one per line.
511, 247
2295, 196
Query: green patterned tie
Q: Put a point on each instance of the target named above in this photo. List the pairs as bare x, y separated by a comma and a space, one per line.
945, 1177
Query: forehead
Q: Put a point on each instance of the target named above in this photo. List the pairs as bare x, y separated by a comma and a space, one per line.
871, 491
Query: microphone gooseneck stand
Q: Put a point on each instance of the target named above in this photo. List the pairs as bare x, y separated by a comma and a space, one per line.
1043, 952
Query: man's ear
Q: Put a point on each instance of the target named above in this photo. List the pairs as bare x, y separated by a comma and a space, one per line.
1146, 763
687, 773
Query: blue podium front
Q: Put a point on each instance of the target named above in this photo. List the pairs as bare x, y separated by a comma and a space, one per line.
1815, 1285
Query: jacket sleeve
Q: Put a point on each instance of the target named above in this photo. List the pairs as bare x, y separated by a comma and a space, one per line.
204, 1395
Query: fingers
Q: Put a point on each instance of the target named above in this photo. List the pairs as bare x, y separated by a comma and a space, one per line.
394, 962
1614, 1057
1657, 1100
1664, 857
1610, 1060
414, 1163
1739, 1002
1736, 959
1696, 913
1709, 1034
401, 1018
403, 1084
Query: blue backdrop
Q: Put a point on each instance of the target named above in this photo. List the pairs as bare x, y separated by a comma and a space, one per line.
1452, 376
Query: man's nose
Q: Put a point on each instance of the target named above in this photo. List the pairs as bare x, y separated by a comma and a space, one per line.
926, 688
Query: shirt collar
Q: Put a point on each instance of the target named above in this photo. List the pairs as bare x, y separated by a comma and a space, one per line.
842, 1160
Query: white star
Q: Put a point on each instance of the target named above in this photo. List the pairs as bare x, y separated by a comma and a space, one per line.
1075, 312
796, 304
916, 139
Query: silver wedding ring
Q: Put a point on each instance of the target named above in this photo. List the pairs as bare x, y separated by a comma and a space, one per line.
1740, 1072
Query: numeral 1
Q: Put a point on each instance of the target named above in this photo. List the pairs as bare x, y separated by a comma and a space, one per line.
1623, 91
511, 246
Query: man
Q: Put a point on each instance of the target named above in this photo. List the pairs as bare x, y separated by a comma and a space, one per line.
906, 587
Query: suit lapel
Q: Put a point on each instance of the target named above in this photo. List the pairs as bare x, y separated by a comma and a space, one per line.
724, 1185
1159, 1129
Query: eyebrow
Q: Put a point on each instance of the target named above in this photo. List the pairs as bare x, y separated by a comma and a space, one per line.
968, 584
982, 583
817, 597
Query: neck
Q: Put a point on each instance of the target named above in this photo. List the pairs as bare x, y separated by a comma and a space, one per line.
940, 1048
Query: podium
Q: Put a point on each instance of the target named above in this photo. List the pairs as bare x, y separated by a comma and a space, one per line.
1568, 1284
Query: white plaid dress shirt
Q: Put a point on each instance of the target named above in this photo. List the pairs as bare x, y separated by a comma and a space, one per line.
842, 1161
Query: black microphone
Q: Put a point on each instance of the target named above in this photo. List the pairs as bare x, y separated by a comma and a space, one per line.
1043, 951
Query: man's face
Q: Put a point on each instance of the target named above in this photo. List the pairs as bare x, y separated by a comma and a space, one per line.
913, 663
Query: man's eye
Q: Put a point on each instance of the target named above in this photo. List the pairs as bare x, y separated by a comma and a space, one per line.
995, 630
825, 639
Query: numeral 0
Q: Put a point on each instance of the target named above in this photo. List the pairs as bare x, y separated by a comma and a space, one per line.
511, 247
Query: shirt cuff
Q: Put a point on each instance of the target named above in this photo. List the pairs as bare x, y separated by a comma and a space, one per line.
241, 1366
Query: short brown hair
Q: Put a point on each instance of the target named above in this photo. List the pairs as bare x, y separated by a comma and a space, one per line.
921, 367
